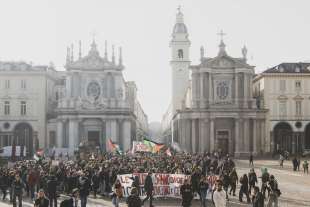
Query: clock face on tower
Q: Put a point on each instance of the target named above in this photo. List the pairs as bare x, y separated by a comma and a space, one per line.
93, 89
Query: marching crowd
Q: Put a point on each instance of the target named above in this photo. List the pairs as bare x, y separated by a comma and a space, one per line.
44, 182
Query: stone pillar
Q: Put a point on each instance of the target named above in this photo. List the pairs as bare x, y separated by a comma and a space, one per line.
120, 133
113, 128
73, 135
237, 137
236, 90
294, 137
245, 98
193, 121
210, 86
126, 135
187, 128
60, 133
255, 142
194, 89
202, 135
202, 97
212, 140
246, 138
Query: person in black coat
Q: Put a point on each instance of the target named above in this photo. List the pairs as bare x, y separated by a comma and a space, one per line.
252, 180
17, 187
41, 201
73, 200
258, 198
134, 200
148, 188
84, 186
186, 193
244, 181
52, 190
95, 183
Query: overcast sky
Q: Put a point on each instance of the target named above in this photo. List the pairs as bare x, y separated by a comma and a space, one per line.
39, 31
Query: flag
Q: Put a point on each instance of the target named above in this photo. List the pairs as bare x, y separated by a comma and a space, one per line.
38, 155
113, 147
153, 146
168, 152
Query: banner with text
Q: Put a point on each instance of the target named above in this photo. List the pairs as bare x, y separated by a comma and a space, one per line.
165, 185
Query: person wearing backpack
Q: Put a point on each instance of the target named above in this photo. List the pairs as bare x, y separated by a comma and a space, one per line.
73, 200
52, 190
84, 186
274, 192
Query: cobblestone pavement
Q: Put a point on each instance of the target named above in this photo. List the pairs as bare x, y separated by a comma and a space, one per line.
295, 188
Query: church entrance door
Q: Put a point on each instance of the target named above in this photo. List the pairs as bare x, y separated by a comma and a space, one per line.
94, 138
222, 138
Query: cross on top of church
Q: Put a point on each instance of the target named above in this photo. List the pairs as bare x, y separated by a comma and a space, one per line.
221, 34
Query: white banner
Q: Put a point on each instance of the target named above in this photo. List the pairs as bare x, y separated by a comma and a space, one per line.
140, 147
165, 185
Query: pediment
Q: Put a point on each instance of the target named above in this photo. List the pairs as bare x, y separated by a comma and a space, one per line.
298, 97
282, 97
226, 61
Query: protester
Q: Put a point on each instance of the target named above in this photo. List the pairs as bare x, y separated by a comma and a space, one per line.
134, 200
18, 186
251, 160
186, 193
252, 180
148, 187
258, 198
219, 196
203, 189
244, 181
84, 186
265, 179
52, 190
305, 166
73, 201
118, 193
233, 181
41, 201
274, 192
95, 181
295, 163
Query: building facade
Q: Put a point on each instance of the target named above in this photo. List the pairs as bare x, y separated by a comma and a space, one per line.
285, 91
26, 102
90, 102
217, 110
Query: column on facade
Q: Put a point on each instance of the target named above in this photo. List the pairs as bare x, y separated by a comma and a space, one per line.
193, 135
294, 138
73, 134
60, 133
236, 89
187, 128
113, 129
237, 136
246, 138
181, 132
202, 135
210, 86
245, 97
202, 97
255, 142
126, 135
194, 89
212, 139
120, 134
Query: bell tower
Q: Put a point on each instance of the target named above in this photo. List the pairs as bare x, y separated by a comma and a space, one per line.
180, 61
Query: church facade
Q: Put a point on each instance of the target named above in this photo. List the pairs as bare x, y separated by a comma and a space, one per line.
212, 102
87, 104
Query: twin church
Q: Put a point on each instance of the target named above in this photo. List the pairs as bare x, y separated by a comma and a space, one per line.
212, 105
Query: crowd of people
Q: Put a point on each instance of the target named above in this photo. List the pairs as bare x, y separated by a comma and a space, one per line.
46, 179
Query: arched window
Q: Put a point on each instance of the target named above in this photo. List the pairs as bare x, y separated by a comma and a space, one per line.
180, 53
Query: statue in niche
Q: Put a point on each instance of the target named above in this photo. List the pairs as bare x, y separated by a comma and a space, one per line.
180, 54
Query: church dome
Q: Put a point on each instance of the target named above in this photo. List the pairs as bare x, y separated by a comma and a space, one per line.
179, 28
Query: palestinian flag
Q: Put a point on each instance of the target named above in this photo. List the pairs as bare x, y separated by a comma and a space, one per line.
39, 154
112, 147
153, 146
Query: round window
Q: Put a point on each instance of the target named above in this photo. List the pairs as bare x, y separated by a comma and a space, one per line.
298, 124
